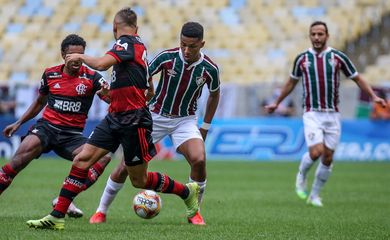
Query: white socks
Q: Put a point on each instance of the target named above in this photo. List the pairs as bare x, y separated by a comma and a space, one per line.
305, 165
202, 186
321, 176
110, 191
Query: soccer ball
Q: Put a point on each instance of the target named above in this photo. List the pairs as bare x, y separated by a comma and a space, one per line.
147, 204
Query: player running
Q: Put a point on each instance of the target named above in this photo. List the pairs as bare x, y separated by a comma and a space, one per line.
319, 67
128, 123
184, 72
66, 94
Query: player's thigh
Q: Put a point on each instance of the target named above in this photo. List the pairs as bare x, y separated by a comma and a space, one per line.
312, 129
186, 129
69, 145
162, 126
193, 150
332, 131
29, 149
89, 155
138, 146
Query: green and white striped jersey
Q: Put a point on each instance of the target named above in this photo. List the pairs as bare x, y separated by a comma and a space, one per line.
181, 83
320, 73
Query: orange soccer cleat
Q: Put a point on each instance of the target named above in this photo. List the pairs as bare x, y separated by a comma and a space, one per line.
197, 219
98, 217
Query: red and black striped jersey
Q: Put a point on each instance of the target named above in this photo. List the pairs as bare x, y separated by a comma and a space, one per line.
129, 81
69, 97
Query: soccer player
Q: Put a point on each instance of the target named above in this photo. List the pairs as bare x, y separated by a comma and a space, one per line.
184, 71
319, 67
66, 93
128, 123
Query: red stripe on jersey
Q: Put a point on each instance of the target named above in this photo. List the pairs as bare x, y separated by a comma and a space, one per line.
64, 119
307, 84
321, 79
127, 98
139, 51
115, 56
144, 144
184, 81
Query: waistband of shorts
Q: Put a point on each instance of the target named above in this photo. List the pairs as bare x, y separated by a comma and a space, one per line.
167, 115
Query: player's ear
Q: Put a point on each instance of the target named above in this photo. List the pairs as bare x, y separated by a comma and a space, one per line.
63, 54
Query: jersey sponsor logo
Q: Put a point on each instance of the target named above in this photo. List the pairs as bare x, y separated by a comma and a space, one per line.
200, 80
67, 106
120, 46
81, 89
171, 72
57, 85
55, 75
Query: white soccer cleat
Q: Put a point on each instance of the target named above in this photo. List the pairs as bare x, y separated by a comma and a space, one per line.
301, 185
315, 201
73, 211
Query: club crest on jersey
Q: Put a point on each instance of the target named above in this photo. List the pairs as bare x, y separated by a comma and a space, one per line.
120, 46
81, 89
200, 80
306, 64
332, 62
171, 72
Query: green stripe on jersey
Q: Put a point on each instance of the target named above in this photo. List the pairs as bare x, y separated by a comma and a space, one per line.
313, 80
329, 80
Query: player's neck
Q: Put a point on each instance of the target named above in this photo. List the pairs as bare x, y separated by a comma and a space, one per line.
70, 73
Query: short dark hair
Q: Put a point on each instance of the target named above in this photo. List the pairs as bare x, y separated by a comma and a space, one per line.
72, 39
320, 23
192, 30
128, 16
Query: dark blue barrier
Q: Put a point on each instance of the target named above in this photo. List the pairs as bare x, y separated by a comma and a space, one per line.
264, 139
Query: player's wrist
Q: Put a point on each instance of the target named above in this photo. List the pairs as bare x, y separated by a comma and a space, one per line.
205, 126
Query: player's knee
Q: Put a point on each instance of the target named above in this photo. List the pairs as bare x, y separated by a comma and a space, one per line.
138, 182
198, 161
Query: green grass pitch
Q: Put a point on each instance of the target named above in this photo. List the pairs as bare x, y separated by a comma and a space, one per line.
244, 200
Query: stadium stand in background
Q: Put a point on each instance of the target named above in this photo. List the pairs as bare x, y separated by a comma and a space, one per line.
252, 40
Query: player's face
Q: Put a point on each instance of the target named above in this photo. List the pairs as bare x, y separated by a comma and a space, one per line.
190, 48
73, 66
318, 37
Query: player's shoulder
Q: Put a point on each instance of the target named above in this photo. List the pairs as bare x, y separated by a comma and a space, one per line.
167, 54
337, 52
210, 63
89, 73
54, 71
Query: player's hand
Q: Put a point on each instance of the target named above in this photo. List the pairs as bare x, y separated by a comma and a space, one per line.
11, 129
104, 89
271, 107
203, 132
73, 57
149, 94
380, 101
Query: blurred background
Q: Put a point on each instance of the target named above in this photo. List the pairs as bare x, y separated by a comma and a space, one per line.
254, 43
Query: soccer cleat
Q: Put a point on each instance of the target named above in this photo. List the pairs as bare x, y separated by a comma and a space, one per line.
72, 211
197, 219
300, 186
192, 200
98, 217
315, 201
48, 222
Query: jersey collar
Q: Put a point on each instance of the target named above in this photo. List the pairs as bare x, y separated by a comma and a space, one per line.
321, 53
193, 64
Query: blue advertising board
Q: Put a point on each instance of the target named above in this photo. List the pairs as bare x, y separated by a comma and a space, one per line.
262, 139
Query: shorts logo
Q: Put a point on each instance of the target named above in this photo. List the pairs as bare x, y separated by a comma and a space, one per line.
311, 136
81, 89
34, 130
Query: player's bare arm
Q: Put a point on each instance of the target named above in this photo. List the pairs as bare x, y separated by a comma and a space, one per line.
98, 63
211, 108
286, 90
363, 85
150, 91
31, 112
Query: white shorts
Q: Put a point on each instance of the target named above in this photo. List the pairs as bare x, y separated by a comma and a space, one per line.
322, 127
178, 129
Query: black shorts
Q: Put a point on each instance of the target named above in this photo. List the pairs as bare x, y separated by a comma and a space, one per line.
62, 142
137, 142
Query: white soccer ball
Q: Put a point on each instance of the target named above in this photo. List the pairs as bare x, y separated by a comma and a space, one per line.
147, 204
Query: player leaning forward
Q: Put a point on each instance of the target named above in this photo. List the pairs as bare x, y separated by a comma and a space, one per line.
184, 72
319, 68
128, 123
